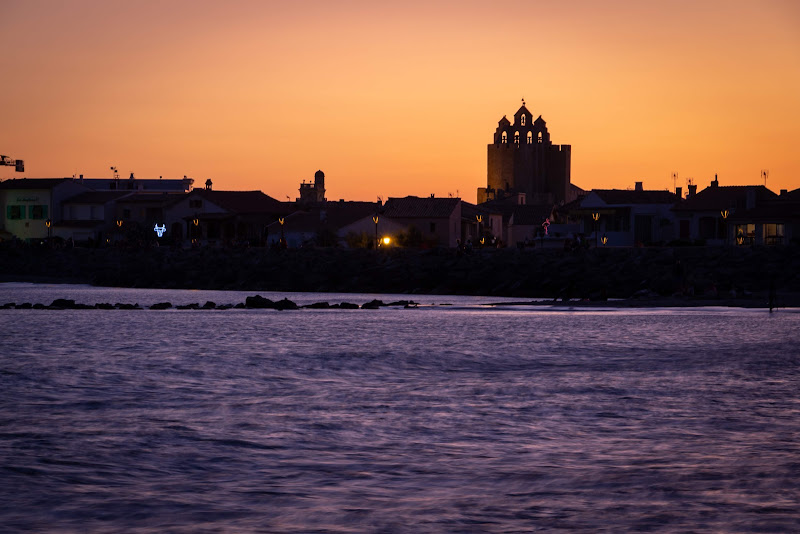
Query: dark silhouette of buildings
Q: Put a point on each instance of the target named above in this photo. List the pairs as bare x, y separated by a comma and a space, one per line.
523, 161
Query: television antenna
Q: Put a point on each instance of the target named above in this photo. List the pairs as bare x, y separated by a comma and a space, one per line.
765, 175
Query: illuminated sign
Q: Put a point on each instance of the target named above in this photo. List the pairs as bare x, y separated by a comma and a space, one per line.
546, 224
159, 230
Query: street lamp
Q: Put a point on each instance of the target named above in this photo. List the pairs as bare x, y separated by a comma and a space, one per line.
725, 214
375, 220
604, 239
48, 223
478, 218
283, 239
596, 217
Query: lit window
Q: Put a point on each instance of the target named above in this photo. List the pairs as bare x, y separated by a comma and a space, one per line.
773, 234
530, 138
522, 120
504, 138
516, 138
540, 137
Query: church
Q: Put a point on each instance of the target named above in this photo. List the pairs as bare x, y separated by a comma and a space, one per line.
524, 164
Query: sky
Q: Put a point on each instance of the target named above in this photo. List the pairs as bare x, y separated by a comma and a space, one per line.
399, 98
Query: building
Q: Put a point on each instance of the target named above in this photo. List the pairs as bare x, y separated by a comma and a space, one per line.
437, 221
313, 193
626, 217
159, 185
214, 217
708, 216
328, 224
89, 215
523, 160
31, 206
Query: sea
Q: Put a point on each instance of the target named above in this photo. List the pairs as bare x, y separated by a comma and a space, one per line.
463, 415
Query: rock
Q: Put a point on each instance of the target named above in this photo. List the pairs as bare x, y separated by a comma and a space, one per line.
258, 302
318, 306
348, 306
161, 306
209, 305
63, 304
285, 304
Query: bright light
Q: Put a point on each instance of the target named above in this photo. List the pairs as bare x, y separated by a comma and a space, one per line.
159, 230
387, 240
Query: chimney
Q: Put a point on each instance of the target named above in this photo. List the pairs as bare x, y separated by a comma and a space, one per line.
81, 180
679, 192
131, 178
750, 201
715, 183
639, 186
692, 190
784, 191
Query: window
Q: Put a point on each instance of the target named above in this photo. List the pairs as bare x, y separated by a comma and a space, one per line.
38, 212
707, 227
522, 120
516, 138
773, 234
540, 137
745, 234
433, 228
530, 138
15, 212
503, 139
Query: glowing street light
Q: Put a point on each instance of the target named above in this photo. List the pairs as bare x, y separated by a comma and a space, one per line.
725, 214
596, 217
375, 220
387, 240
604, 239
281, 220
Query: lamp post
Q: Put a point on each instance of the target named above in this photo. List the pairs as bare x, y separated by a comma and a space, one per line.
48, 223
596, 217
725, 214
604, 239
479, 220
375, 220
282, 220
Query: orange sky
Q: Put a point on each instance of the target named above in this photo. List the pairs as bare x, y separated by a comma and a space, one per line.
399, 98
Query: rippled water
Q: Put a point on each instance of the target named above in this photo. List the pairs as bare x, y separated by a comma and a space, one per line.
437, 419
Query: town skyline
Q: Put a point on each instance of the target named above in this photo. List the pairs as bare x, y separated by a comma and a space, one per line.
392, 101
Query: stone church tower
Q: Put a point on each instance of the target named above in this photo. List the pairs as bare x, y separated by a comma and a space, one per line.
522, 159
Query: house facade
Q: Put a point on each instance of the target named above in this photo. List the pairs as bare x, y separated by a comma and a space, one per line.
626, 217
31, 206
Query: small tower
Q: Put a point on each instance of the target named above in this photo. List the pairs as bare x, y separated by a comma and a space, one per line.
313, 193
208, 184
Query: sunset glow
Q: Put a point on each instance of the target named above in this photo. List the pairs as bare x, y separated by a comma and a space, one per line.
399, 99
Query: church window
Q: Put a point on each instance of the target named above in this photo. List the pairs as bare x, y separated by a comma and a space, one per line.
530, 138
540, 137
516, 138
522, 120
504, 138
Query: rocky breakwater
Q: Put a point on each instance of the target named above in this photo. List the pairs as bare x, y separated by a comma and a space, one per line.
596, 274
256, 302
